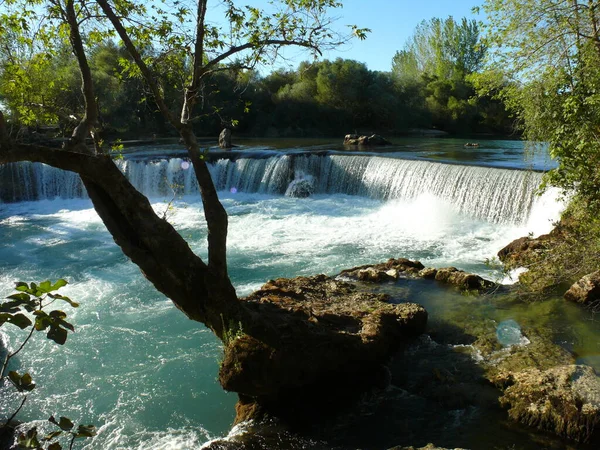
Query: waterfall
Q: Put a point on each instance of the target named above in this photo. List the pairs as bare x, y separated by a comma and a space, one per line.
491, 194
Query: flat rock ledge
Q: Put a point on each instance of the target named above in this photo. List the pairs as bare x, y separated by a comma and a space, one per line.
563, 399
394, 269
326, 342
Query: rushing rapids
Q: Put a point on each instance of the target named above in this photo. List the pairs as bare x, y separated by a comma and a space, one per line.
491, 194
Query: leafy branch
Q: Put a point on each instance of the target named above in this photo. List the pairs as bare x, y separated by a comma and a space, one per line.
25, 309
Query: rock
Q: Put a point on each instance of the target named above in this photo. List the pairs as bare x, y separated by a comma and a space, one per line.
462, 279
428, 273
301, 188
373, 140
521, 251
388, 271
563, 399
326, 343
394, 268
225, 138
586, 290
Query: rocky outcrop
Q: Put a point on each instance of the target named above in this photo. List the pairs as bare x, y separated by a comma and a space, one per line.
225, 138
393, 269
523, 251
586, 290
326, 342
373, 140
563, 399
462, 279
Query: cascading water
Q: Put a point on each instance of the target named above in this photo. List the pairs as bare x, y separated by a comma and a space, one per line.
491, 194
146, 375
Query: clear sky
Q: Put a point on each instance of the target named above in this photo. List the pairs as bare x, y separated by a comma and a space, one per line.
391, 22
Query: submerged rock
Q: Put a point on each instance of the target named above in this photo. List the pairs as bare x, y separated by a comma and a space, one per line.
562, 399
394, 268
327, 342
374, 139
300, 188
586, 290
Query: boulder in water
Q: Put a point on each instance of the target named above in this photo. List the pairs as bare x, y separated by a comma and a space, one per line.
586, 290
373, 140
394, 268
300, 188
225, 138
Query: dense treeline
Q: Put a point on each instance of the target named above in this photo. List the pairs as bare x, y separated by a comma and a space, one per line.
429, 87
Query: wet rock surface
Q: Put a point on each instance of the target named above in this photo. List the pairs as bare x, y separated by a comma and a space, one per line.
327, 343
393, 269
523, 250
562, 399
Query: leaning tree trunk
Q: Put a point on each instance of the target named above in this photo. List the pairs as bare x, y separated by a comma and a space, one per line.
288, 346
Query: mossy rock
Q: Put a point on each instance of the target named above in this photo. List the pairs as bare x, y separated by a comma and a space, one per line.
564, 400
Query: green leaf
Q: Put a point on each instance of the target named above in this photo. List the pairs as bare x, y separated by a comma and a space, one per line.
59, 283
53, 435
22, 296
64, 423
18, 300
19, 320
45, 286
65, 299
29, 440
58, 335
20, 286
21, 382
55, 446
86, 431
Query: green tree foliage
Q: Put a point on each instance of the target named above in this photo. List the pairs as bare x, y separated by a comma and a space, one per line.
27, 309
550, 54
442, 48
318, 98
436, 65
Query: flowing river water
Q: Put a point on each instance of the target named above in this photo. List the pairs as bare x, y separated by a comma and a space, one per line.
146, 376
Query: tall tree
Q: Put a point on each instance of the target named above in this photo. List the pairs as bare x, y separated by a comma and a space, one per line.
443, 48
550, 54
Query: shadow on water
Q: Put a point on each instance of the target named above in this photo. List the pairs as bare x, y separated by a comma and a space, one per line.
438, 391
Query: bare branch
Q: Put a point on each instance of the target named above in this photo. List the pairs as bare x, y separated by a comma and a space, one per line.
275, 42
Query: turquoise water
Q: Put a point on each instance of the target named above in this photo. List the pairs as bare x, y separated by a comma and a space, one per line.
146, 375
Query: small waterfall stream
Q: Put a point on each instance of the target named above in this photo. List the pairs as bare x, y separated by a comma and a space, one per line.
491, 194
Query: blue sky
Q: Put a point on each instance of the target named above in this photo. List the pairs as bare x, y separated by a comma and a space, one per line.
391, 22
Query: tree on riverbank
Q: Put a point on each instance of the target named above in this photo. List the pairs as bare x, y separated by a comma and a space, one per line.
549, 52
428, 86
